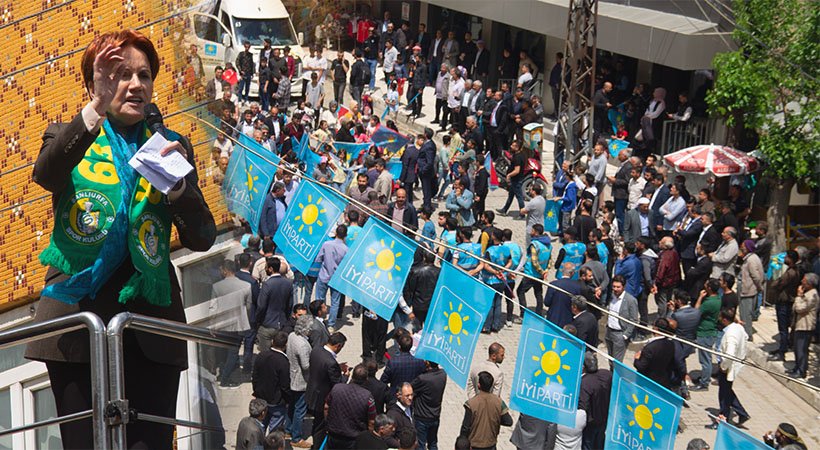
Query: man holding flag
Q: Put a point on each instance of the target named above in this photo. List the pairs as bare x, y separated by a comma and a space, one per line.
494, 277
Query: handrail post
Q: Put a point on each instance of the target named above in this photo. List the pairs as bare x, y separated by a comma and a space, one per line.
116, 370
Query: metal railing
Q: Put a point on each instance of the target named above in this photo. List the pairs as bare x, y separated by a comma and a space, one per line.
677, 135
99, 374
118, 411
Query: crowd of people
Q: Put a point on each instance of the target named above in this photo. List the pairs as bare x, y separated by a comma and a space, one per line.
625, 238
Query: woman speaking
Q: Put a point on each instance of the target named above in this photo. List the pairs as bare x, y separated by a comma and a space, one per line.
109, 249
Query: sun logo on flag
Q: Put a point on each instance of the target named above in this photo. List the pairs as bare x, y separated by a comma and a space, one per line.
550, 361
310, 214
644, 417
550, 213
385, 260
251, 179
455, 323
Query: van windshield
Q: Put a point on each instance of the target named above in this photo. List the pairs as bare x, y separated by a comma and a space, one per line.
257, 30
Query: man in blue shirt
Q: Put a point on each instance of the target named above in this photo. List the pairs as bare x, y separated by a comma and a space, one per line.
330, 255
630, 267
538, 260
494, 277
518, 258
273, 210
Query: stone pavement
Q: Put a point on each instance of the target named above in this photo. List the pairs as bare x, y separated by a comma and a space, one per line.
767, 401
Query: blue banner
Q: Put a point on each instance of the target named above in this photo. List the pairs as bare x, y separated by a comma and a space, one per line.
375, 268
457, 312
616, 145
310, 217
394, 167
388, 139
642, 413
259, 149
551, 214
547, 372
247, 180
730, 437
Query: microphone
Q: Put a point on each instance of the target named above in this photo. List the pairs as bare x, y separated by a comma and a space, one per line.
153, 119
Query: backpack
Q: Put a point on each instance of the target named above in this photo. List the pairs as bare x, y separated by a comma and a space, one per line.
365, 73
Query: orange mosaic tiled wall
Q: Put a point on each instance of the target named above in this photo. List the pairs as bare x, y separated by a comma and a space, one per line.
40, 83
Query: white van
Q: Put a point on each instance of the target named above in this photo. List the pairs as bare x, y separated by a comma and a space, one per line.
220, 36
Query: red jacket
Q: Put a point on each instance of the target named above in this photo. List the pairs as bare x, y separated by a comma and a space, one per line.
668, 274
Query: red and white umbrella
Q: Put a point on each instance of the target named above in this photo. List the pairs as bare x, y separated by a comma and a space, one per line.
715, 159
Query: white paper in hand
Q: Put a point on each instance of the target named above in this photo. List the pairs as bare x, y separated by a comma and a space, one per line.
163, 172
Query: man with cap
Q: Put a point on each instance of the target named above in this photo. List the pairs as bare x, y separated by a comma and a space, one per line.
638, 222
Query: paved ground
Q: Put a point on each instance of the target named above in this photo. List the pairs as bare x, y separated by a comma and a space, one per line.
769, 402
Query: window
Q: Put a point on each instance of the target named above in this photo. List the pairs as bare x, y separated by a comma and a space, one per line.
256, 31
5, 418
45, 408
206, 28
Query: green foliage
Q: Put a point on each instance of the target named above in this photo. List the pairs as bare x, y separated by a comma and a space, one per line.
769, 84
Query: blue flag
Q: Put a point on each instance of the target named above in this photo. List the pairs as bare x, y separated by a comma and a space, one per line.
247, 181
551, 215
375, 268
394, 167
353, 150
642, 413
616, 145
311, 160
547, 372
257, 148
459, 306
388, 139
304, 144
310, 216
730, 437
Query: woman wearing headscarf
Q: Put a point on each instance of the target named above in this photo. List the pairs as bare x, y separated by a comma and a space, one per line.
651, 122
109, 250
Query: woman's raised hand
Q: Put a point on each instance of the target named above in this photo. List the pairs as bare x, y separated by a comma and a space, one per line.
108, 68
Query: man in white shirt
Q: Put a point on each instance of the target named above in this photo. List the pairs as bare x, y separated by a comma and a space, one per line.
732, 343
454, 97
635, 187
526, 76
390, 56
619, 332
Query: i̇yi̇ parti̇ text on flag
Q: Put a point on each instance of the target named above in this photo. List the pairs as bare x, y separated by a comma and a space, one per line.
551, 214
547, 372
642, 413
310, 217
730, 437
248, 179
375, 268
459, 307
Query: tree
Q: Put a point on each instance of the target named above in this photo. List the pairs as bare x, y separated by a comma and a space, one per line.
770, 86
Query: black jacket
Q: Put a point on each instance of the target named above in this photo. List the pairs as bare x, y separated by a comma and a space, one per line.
427, 159
421, 284
410, 218
324, 374
587, 327
501, 117
356, 71
620, 188
688, 239
696, 276
244, 63
424, 43
274, 303
371, 48
409, 160
64, 146
594, 396
271, 377
419, 78
379, 391
429, 390
657, 361
711, 239
475, 133
482, 63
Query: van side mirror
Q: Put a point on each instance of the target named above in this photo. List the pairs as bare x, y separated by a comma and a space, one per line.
301, 37
226, 40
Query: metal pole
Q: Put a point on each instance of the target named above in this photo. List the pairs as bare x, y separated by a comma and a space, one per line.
53, 421
98, 363
161, 327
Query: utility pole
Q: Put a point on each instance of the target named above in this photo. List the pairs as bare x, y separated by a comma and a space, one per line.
575, 116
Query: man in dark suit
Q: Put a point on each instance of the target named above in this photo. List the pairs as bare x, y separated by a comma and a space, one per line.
410, 217
709, 237
402, 368
379, 390
659, 197
584, 321
697, 275
633, 228
498, 130
250, 433
559, 311
620, 185
271, 381
687, 319
687, 234
401, 410
593, 398
427, 167
409, 160
482, 63
657, 358
474, 133
422, 39
325, 373
274, 304
319, 333
244, 274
